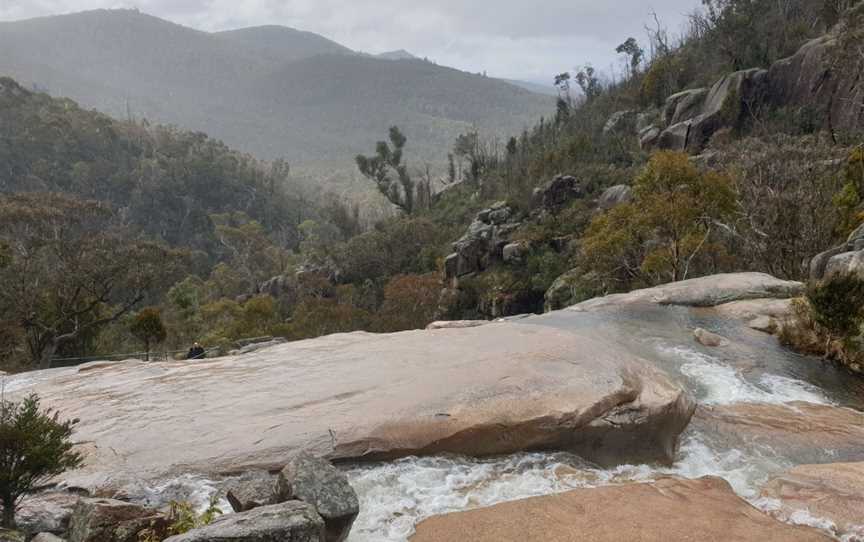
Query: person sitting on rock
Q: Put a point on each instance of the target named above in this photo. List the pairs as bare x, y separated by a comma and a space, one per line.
196, 352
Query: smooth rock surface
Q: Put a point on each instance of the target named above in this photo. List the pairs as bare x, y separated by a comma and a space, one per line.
292, 521
316, 481
832, 492
477, 391
793, 429
704, 292
666, 510
47, 537
456, 324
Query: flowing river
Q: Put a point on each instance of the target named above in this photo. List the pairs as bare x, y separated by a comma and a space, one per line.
752, 369
396, 495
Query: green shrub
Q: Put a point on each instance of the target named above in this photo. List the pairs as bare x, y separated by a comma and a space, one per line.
838, 305
35, 446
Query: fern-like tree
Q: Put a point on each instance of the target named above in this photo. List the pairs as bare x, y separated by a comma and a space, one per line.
35, 446
387, 170
148, 328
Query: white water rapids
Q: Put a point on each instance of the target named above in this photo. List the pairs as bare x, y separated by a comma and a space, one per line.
395, 496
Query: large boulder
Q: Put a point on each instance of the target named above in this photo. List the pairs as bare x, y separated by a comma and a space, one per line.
825, 80
708, 291
108, 520
612, 196
46, 512
831, 494
483, 242
251, 491
480, 391
316, 481
694, 116
559, 192
792, 428
665, 510
292, 521
683, 105
47, 537
844, 259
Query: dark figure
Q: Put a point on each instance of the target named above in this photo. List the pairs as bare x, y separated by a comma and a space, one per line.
196, 352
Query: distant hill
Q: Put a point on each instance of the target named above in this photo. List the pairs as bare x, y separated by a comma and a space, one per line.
272, 91
401, 54
546, 90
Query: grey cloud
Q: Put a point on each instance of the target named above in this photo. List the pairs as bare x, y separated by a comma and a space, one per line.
505, 38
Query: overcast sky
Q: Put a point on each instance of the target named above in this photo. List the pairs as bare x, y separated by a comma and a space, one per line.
522, 39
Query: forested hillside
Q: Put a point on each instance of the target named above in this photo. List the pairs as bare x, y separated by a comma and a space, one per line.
272, 91
697, 162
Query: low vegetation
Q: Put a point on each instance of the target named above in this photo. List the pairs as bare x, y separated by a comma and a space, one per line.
35, 445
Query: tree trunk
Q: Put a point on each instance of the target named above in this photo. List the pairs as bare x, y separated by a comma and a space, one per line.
46, 356
8, 512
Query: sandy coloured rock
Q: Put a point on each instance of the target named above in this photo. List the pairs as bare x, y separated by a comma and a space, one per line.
666, 510
832, 492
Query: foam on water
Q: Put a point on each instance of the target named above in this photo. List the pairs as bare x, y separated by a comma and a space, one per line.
722, 384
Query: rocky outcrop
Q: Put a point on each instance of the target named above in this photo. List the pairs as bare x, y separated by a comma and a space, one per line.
46, 512
792, 428
830, 494
668, 509
845, 259
694, 116
101, 520
683, 106
824, 76
483, 242
251, 491
480, 391
559, 192
294, 521
315, 481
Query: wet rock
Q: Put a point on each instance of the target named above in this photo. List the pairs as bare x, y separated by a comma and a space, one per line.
832, 493
292, 521
507, 387
47, 537
101, 520
668, 509
46, 512
709, 291
251, 491
614, 195
793, 428
559, 192
711, 340
317, 482
621, 122
456, 324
